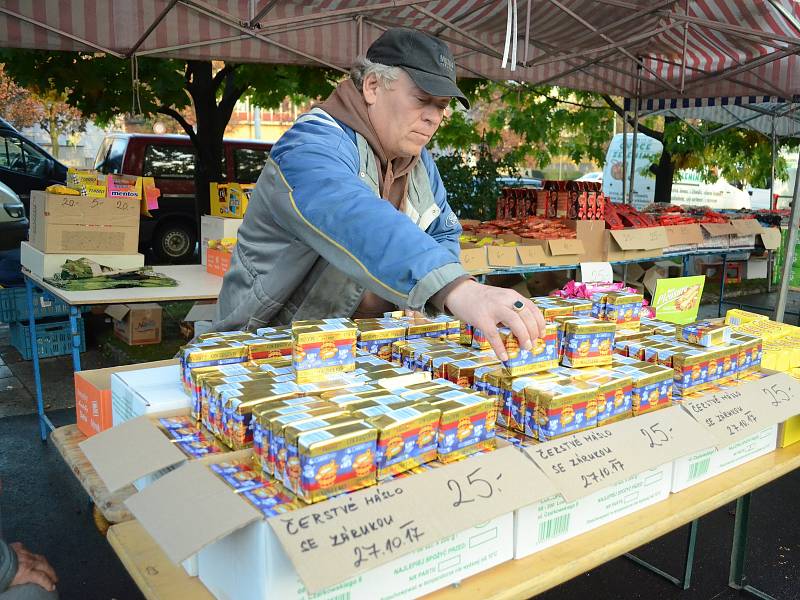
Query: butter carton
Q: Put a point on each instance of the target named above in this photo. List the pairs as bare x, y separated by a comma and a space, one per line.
336, 459
452, 331
263, 413
462, 372
703, 333
426, 328
287, 454
587, 343
613, 396
322, 348
275, 426
543, 355
407, 437
749, 350
623, 309
563, 409
580, 308
652, 387
376, 336
520, 401
465, 334
736, 316
210, 354
467, 424
275, 345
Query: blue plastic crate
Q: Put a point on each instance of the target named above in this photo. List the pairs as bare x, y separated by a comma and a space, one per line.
14, 305
53, 338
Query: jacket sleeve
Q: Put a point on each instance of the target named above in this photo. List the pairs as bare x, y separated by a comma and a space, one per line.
317, 193
445, 229
8, 566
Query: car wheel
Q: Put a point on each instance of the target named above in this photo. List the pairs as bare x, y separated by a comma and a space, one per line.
174, 242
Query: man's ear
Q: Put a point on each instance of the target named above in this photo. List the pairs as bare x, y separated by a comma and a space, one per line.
370, 89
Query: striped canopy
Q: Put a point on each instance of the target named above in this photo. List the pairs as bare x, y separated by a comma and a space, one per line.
644, 48
766, 114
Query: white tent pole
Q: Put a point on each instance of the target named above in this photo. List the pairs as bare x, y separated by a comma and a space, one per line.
794, 221
772, 167
635, 134
624, 153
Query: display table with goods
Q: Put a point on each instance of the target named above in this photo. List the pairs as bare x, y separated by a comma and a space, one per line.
400, 455
192, 283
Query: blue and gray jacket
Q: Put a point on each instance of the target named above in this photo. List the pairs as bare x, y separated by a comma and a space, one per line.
317, 233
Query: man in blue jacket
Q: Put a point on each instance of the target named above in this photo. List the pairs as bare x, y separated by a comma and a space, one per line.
349, 217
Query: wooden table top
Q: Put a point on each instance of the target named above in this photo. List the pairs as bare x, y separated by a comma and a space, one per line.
159, 579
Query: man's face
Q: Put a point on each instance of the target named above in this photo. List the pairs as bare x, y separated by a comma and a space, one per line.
404, 117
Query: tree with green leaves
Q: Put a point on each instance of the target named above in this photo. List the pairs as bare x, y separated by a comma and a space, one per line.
104, 87
524, 124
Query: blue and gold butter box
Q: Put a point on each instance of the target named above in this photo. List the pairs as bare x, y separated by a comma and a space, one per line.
541, 357
336, 459
562, 409
467, 424
704, 333
323, 348
407, 437
587, 343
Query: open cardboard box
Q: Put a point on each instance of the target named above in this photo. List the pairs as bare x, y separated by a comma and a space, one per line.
93, 396
233, 539
603, 244
533, 252
771, 237
683, 238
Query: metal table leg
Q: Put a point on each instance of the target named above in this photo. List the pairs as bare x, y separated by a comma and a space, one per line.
685, 580
737, 577
722, 284
74, 315
685, 265
45, 425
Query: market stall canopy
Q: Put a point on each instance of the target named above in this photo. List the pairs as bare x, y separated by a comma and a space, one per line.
765, 114
676, 48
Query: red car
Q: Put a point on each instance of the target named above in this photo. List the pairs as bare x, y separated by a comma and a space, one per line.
172, 232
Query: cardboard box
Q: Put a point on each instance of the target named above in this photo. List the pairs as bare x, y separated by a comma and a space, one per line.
251, 564
756, 268
199, 319
136, 324
46, 265
218, 261
601, 244
716, 235
216, 228
771, 237
80, 224
660, 270
560, 252
789, 432
553, 520
154, 387
93, 396
626, 244
697, 467
683, 238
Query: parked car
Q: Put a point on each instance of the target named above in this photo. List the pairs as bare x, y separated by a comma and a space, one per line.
527, 182
13, 222
25, 166
173, 230
596, 176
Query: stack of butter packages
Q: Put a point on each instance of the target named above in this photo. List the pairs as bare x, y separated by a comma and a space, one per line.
322, 409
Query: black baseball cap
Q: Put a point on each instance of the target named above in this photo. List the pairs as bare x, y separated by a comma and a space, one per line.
427, 60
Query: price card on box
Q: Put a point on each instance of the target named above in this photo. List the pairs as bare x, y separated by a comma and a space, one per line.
335, 540
596, 272
588, 461
747, 409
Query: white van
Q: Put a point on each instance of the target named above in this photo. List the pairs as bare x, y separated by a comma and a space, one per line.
687, 189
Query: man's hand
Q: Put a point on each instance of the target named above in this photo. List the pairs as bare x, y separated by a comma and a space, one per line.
485, 306
33, 568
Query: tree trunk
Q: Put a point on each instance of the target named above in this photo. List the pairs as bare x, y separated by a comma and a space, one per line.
211, 120
664, 172
54, 132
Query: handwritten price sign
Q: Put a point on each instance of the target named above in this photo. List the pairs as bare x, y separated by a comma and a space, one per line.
335, 540
587, 461
747, 409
